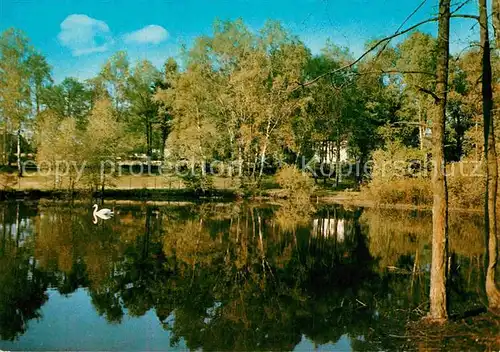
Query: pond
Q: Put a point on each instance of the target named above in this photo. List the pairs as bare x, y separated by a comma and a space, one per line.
228, 276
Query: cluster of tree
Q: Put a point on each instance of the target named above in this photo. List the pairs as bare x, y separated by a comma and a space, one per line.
75, 121
239, 99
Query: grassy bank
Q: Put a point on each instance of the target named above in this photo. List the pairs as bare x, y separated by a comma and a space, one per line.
144, 187
393, 195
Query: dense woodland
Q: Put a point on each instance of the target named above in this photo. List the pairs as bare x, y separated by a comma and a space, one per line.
261, 99
243, 98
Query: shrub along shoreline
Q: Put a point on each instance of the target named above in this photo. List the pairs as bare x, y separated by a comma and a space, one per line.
351, 199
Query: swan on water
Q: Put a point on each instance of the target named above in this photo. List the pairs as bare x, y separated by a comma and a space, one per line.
104, 213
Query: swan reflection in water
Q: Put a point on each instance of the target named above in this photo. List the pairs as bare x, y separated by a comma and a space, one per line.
104, 214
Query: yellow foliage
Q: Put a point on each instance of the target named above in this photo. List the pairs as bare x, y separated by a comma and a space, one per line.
297, 184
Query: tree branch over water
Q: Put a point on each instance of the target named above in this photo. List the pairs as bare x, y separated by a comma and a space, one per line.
373, 47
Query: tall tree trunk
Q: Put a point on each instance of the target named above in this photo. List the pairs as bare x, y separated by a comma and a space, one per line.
150, 143
4, 154
37, 99
337, 161
148, 137
19, 168
490, 157
164, 135
438, 297
264, 149
262, 159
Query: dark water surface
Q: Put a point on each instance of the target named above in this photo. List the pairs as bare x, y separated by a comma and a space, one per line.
224, 277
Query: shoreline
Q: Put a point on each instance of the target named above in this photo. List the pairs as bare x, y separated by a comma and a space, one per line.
353, 198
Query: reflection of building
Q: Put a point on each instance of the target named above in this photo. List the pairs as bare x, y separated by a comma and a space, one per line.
329, 228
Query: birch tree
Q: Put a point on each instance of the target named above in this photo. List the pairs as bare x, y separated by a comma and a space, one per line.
15, 102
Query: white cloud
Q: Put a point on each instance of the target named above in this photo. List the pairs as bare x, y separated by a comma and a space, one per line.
152, 34
84, 35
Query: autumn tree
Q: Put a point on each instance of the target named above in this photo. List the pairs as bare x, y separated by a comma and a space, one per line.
242, 84
60, 148
114, 77
15, 102
104, 140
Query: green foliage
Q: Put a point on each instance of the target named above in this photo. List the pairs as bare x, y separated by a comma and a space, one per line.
85, 157
238, 98
415, 191
197, 182
70, 98
400, 175
466, 184
235, 100
396, 162
60, 148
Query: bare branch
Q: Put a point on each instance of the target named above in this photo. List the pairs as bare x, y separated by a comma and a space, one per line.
464, 15
407, 123
460, 6
373, 47
431, 93
401, 26
396, 71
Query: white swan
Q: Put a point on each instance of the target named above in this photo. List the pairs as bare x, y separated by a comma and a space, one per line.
104, 213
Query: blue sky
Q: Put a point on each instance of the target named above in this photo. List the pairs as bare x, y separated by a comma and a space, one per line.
78, 36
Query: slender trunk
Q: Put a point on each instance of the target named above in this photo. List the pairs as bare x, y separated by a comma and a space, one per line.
264, 149
4, 154
254, 166
164, 135
420, 125
37, 99
438, 297
147, 137
18, 154
150, 142
337, 161
262, 159
240, 162
490, 156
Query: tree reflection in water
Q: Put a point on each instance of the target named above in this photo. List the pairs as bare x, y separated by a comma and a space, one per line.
237, 276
